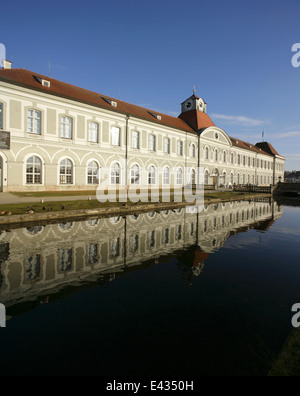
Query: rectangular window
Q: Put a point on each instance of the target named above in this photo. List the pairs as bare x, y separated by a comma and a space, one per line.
180, 148
34, 121
167, 146
135, 140
66, 127
93, 132
116, 135
152, 143
1, 115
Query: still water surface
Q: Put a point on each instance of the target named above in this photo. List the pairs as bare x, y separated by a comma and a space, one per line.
166, 293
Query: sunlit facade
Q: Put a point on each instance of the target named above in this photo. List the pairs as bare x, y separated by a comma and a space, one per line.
54, 136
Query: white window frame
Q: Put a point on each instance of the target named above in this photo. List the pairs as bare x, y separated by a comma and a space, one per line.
93, 132
179, 177
192, 150
206, 153
35, 119
166, 176
135, 174
206, 177
135, 140
180, 148
34, 173
116, 136
167, 145
114, 178
66, 127
152, 175
66, 175
152, 143
94, 179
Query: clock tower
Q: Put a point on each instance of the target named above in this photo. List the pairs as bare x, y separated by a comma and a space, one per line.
193, 112
193, 103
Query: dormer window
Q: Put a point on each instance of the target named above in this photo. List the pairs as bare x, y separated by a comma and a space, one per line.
111, 102
45, 83
157, 116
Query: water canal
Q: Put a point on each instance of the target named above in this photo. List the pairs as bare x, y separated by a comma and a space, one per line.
161, 293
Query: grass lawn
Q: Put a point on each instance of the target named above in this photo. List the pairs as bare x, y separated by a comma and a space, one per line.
86, 204
42, 194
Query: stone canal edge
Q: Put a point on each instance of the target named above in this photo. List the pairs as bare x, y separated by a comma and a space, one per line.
82, 214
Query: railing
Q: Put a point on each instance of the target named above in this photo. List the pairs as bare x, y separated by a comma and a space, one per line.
252, 188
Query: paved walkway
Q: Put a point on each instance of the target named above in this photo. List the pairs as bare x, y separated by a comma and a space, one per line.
8, 198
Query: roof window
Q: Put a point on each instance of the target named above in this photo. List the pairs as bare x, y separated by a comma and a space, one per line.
111, 102
42, 81
157, 116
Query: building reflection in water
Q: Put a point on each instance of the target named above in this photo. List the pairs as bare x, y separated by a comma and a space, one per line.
40, 261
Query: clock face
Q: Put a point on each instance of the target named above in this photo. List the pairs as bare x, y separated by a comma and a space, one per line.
188, 105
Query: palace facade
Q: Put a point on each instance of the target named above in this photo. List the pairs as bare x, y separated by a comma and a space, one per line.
56, 136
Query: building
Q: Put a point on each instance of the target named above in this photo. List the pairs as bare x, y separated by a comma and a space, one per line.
293, 177
55, 136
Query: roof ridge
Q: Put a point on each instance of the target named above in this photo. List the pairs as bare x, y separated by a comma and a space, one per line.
170, 120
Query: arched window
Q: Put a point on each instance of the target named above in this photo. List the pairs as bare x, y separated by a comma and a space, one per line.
238, 179
166, 175
224, 178
179, 178
206, 177
216, 155
244, 179
135, 174
232, 178
193, 176
34, 170
93, 173
152, 175
193, 151
206, 153
133, 243
115, 174
66, 172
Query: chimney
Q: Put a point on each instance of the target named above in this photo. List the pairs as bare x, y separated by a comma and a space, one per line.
6, 64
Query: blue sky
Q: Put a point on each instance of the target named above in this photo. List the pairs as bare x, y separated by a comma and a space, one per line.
237, 54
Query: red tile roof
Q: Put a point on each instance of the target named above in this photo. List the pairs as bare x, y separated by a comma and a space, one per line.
248, 146
196, 119
28, 79
190, 121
